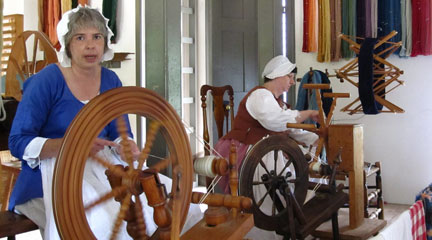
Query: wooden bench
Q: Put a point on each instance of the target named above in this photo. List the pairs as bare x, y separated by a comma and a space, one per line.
12, 224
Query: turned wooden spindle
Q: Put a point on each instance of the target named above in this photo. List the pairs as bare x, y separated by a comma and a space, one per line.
218, 199
135, 227
217, 214
126, 148
115, 180
233, 177
151, 135
206, 131
220, 166
156, 198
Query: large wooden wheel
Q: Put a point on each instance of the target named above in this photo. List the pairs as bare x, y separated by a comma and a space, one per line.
68, 206
23, 61
272, 165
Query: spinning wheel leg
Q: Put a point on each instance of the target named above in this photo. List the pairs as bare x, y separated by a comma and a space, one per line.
130, 182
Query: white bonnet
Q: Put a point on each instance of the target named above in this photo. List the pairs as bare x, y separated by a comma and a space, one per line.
277, 67
62, 30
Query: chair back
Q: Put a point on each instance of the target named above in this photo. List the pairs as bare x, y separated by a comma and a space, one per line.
222, 111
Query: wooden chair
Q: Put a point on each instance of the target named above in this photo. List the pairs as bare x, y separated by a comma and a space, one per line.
221, 111
11, 223
385, 78
23, 61
9, 170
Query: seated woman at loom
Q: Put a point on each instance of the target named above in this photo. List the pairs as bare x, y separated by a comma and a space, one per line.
262, 112
51, 100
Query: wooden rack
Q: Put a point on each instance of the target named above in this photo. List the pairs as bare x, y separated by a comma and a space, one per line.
12, 28
386, 74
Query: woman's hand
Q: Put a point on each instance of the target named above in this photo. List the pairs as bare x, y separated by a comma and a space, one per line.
133, 148
314, 115
99, 144
305, 114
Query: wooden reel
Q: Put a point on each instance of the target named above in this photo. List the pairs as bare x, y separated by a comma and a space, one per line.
386, 77
68, 206
20, 66
270, 166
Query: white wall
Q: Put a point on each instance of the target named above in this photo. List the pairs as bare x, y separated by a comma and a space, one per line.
14, 6
402, 142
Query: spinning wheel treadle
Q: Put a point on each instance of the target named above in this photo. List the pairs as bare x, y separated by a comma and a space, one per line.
68, 206
273, 164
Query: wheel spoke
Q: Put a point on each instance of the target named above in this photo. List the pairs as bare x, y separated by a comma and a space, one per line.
126, 149
275, 157
260, 183
285, 167
114, 170
261, 201
35, 47
121, 215
151, 135
278, 202
115, 192
294, 180
25, 62
273, 204
140, 218
264, 166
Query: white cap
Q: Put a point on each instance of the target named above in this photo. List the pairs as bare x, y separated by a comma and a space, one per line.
277, 67
62, 30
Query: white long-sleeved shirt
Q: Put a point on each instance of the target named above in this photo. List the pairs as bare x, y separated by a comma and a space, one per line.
263, 107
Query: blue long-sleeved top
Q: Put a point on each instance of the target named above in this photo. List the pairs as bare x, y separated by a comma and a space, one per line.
46, 110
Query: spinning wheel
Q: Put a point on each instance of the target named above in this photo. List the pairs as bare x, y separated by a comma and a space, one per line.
20, 67
270, 167
69, 210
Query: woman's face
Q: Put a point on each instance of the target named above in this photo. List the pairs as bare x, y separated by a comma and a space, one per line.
288, 81
87, 47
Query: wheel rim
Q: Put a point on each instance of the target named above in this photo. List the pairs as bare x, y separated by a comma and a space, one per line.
68, 206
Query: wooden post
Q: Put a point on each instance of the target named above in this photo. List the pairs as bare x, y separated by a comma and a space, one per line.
233, 178
349, 137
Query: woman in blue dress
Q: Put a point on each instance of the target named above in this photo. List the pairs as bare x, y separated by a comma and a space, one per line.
51, 99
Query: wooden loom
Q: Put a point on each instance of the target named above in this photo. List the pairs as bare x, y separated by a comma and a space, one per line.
386, 75
170, 207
